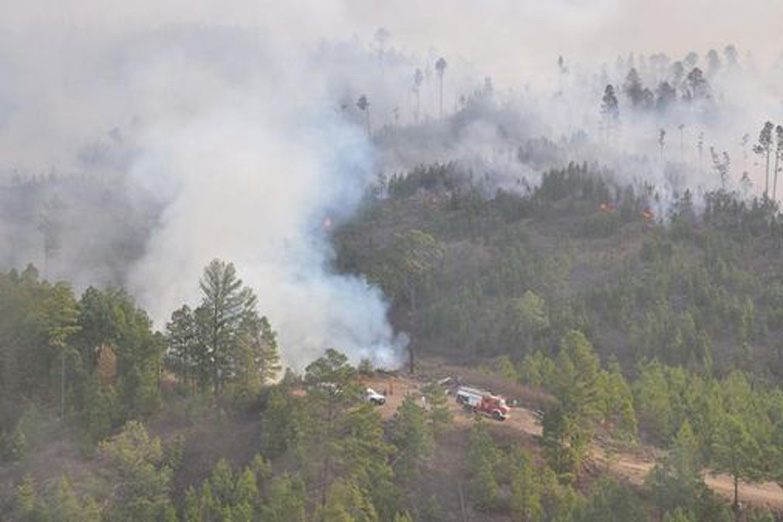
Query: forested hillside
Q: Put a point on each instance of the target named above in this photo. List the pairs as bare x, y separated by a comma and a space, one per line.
361, 261
624, 328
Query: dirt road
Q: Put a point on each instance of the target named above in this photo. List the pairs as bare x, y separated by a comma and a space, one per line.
632, 467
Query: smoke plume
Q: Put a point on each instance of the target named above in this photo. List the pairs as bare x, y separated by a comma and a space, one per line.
140, 140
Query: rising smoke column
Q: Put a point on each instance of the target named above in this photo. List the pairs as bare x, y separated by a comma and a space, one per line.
249, 173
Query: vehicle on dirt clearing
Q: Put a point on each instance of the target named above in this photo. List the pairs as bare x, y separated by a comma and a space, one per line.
374, 397
480, 401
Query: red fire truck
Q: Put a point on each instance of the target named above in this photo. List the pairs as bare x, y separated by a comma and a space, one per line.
481, 401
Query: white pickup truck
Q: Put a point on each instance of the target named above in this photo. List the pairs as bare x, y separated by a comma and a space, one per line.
375, 398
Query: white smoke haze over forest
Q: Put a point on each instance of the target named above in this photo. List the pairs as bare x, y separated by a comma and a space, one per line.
170, 133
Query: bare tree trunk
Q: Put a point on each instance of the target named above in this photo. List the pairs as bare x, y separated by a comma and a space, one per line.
462, 502
62, 383
775, 179
441, 97
411, 348
766, 184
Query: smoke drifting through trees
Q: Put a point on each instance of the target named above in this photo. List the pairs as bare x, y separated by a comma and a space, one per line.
169, 145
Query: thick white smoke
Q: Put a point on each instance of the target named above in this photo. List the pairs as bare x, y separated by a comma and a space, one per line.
257, 190
235, 138
211, 129
250, 168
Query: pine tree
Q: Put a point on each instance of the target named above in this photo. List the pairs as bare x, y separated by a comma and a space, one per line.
279, 421
736, 452
483, 459
61, 318
440, 67
633, 88
191, 511
764, 148
617, 401
528, 317
331, 391
778, 157
363, 457
676, 481
413, 437
439, 412
697, 88
186, 353
225, 305
525, 488
610, 112
135, 463
364, 105
285, 500
27, 501
346, 502
665, 96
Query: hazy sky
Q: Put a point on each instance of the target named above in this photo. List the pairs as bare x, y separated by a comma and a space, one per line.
509, 38
244, 122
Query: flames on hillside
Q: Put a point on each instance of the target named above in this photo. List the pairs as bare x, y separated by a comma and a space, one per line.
647, 214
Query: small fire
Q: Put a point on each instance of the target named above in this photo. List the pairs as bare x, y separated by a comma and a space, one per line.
606, 207
327, 223
648, 214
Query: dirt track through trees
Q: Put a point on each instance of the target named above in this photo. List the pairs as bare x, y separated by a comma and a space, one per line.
632, 467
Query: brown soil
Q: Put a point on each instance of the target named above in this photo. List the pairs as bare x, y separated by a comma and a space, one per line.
523, 425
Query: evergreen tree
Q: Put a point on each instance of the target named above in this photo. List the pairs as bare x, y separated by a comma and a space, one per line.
610, 112
346, 502
331, 391
364, 458
764, 148
778, 158
61, 318
617, 401
525, 488
440, 67
439, 412
736, 452
258, 360
412, 436
285, 500
225, 306
403, 268
610, 501
483, 459
634, 90
696, 87
186, 352
135, 465
528, 318
676, 482
665, 96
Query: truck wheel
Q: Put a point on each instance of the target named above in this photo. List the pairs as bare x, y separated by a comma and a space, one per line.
497, 416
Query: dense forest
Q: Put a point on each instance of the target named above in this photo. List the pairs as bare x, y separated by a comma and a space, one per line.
250, 272
629, 328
